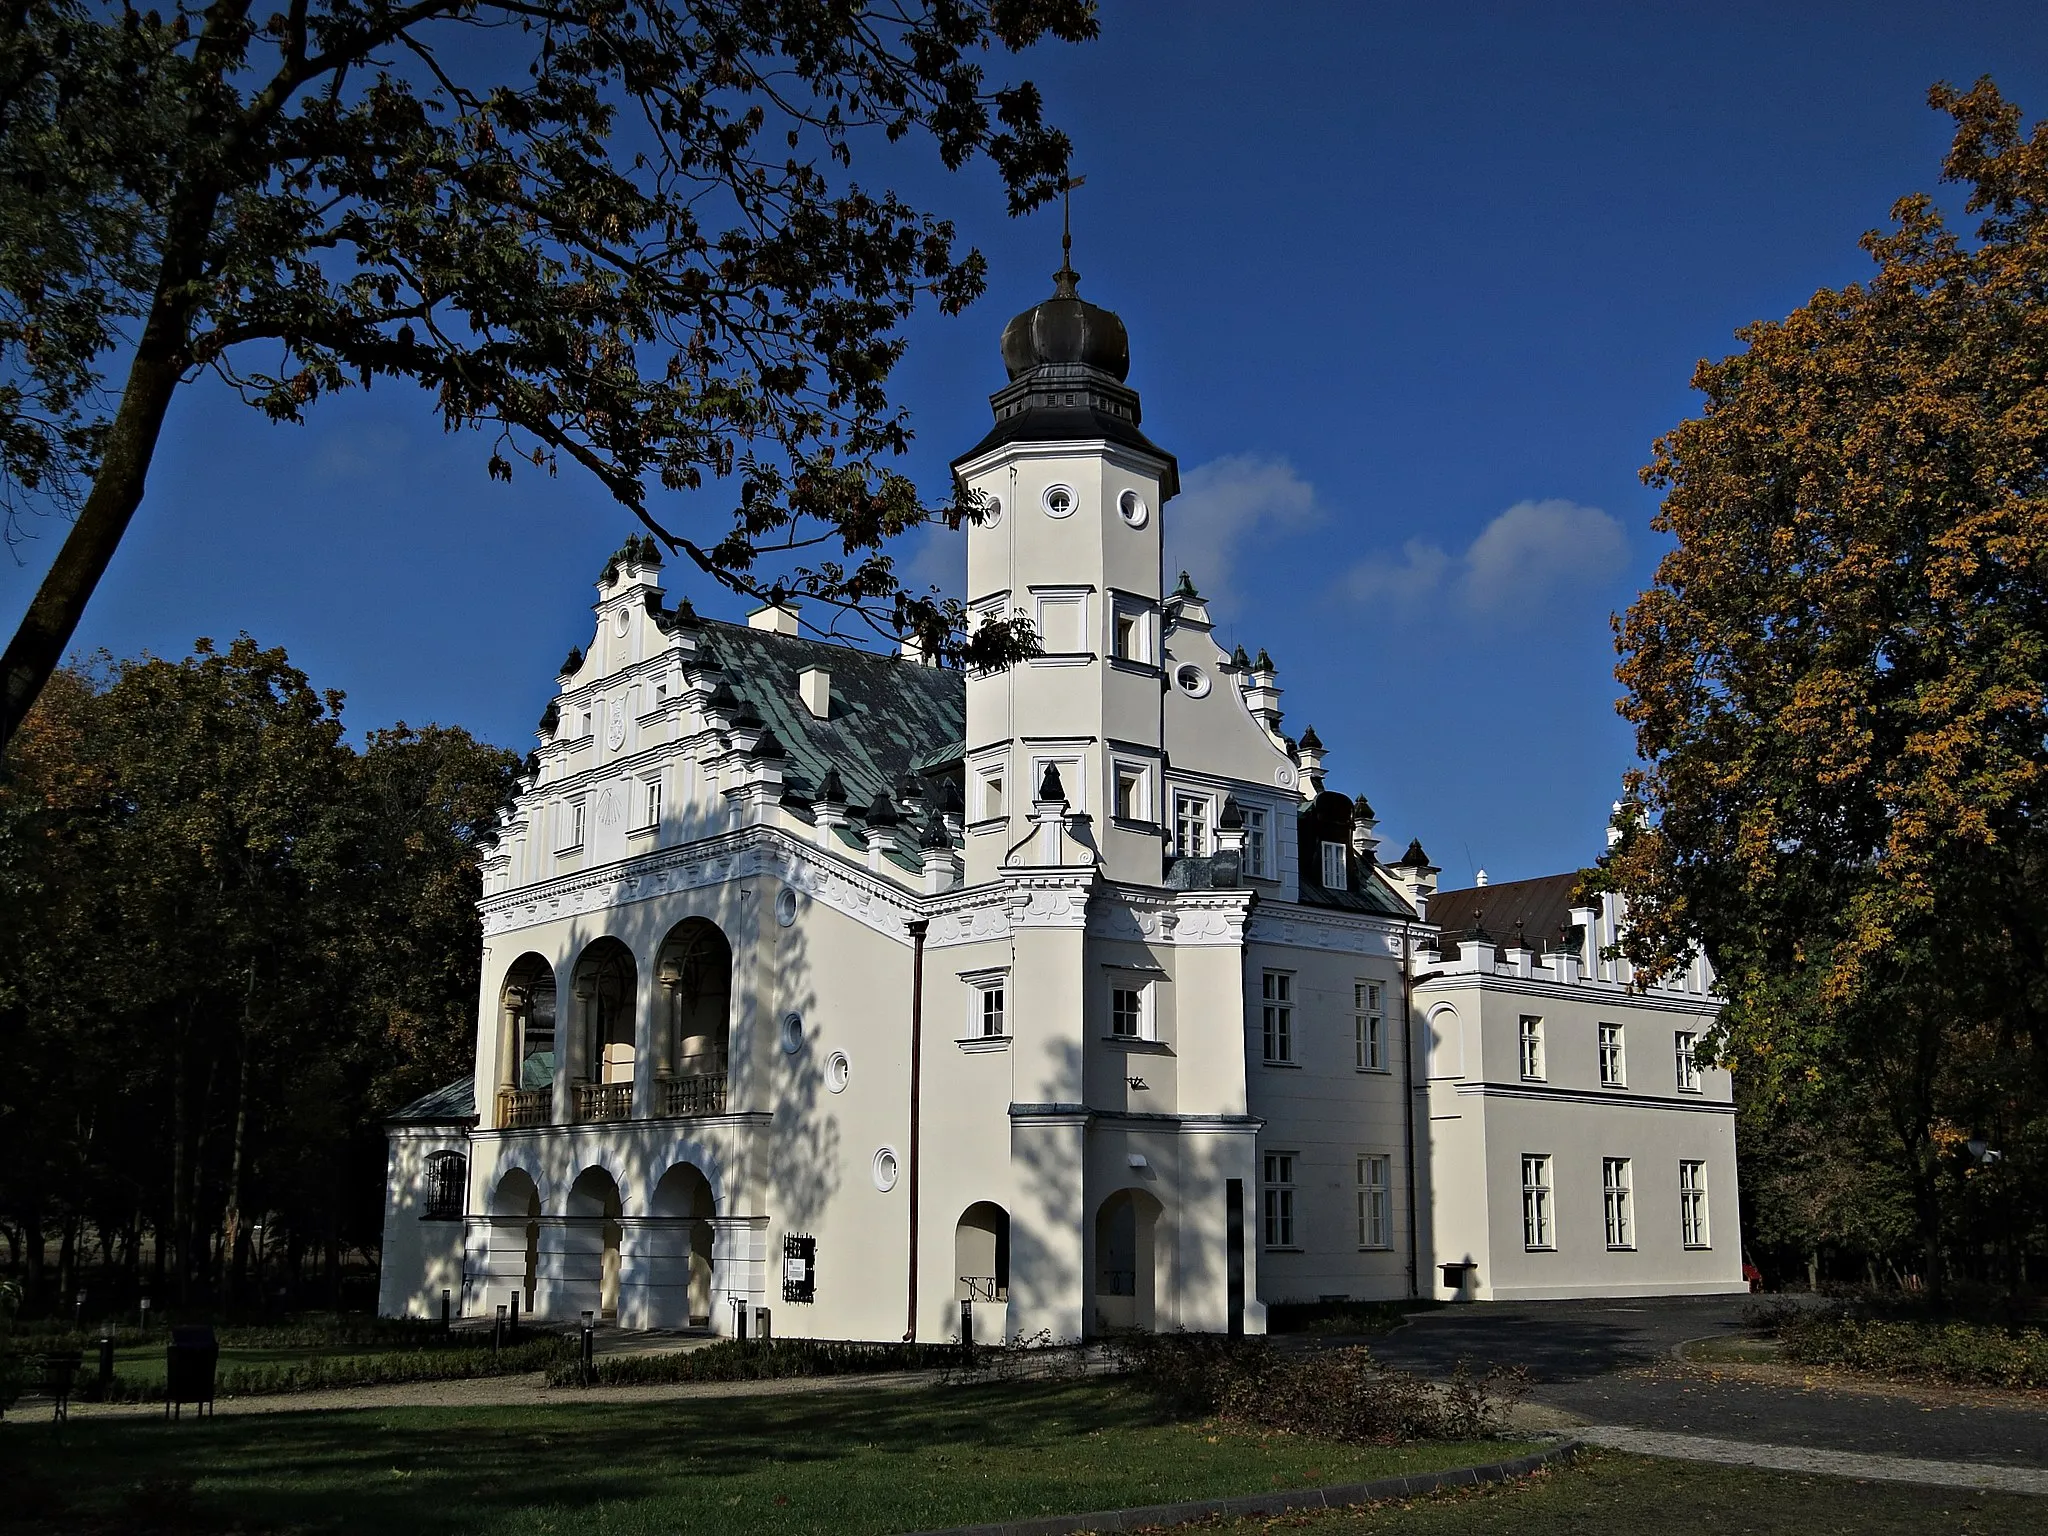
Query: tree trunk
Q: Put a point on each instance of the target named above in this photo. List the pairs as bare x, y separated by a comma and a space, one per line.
237, 1241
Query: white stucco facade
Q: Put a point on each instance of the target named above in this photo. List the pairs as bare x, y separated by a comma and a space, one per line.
836, 991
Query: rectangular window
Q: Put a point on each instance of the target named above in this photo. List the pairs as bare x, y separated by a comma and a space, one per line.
1375, 1202
572, 825
1335, 876
1688, 1068
1130, 637
1127, 1012
1255, 843
1279, 1199
1614, 1186
1130, 793
650, 803
1276, 994
991, 795
1190, 827
991, 1013
1370, 1020
1538, 1230
1613, 1067
1692, 1203
1532, 1048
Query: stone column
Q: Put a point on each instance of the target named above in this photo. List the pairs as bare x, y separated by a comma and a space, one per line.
572, 1045
507, 1074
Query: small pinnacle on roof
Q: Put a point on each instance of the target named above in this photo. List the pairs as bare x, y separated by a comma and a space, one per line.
1050, 787
909, 791
1361, 810
1186, 589
880, 813
722, 698
935, 833
832, 791
573, 663
1262, 662
1414, 858
950, 803
1232, 817
551, 717
1310, 741
1239, 660
768, 746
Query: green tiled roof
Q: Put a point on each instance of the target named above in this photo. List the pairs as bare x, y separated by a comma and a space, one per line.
889, 716
456, 1102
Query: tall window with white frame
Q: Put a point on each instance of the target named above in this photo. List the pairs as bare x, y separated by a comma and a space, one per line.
1375, 1201
1613, 1065
1614, 1188
1369, 1022
650, 803
1130, 792
1684, 1043
1255, 843
572, 824
1539, 1227
1278, 1196
1336, 875
991, 1003
1190, 826
991, 794
1692, 1203
1130, 637
1127, 1012
1532, 1048
1276, 1009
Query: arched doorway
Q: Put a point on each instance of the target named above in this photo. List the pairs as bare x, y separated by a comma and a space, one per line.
1125, 1227
515, 1237
526, 1044
695, 970
981, 1261
680, 1250
590, 1249
605, 982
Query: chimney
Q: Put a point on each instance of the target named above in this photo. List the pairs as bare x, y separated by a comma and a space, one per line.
775, 618
1480, 878
814, 687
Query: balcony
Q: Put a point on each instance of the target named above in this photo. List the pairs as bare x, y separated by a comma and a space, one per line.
518, 1107
603, 1101
697, 1093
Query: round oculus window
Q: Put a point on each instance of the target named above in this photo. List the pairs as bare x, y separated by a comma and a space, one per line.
885, 1169
1131, 508
792, 1033
1060, 501
991, 511
837, 1072
1192, 681
785, 907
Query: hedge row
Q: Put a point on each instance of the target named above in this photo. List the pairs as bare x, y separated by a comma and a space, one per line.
320, 1373
762, 1360
1963, 1354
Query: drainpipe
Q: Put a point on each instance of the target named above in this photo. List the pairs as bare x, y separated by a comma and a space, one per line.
918, 927
1408, 1108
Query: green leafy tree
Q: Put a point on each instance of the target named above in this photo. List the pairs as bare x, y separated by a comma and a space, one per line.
1837, 683
621, 234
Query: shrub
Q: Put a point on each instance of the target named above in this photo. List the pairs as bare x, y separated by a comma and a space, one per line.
321, 1373
762, 1360
1339, 1317
1960, 1353
1333, 1394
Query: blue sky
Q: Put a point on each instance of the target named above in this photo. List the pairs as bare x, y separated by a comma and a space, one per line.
1410, 291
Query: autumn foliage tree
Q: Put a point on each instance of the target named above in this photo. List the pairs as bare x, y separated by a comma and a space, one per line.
1837, 684
618, 235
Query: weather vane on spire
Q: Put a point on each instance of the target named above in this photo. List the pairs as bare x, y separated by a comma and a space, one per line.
1066, 277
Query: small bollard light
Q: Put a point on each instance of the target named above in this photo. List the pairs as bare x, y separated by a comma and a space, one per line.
78, 1312
145, 1314
589, 1345
514, 1335
498, 1331
106, 1360
444, 1310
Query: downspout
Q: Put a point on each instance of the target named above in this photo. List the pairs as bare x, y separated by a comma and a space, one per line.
1408, 1107
918, 927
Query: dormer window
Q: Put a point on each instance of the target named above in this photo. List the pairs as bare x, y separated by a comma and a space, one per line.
1335, 875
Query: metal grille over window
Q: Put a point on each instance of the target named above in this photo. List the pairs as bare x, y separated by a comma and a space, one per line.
447, 1183
799, 1267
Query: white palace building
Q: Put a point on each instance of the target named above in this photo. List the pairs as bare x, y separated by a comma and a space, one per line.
851, 997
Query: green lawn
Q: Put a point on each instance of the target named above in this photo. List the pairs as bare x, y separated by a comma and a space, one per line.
841, 1462
144, 1364
1604, 1493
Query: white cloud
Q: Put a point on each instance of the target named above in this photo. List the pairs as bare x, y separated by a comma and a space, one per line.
1223, 503
1531, 553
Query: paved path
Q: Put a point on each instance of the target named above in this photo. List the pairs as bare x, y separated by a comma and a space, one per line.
1790, 1458
1612, 1365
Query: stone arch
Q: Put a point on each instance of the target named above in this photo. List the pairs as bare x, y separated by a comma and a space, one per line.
1126, 1265
981, 1252
513, 1259
694, 967
592, 1234
680, 1256
605, 986
528, 1003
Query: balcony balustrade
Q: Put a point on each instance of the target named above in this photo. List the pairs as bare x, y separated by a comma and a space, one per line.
984, 1288
524, 1106
604, 1101
696, 1093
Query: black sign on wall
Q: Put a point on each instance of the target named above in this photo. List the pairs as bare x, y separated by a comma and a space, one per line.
799, 1267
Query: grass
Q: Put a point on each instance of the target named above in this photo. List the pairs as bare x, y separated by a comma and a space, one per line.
840, 1462
1605, 1493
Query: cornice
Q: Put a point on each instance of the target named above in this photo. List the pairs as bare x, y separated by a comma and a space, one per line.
1612, 993
1292, 926
1183, 919
1616, 1098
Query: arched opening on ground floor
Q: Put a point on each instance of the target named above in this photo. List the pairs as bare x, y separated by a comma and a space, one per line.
679, 1250
515, 1235
1126, 1224
981, 1261
590, 1246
